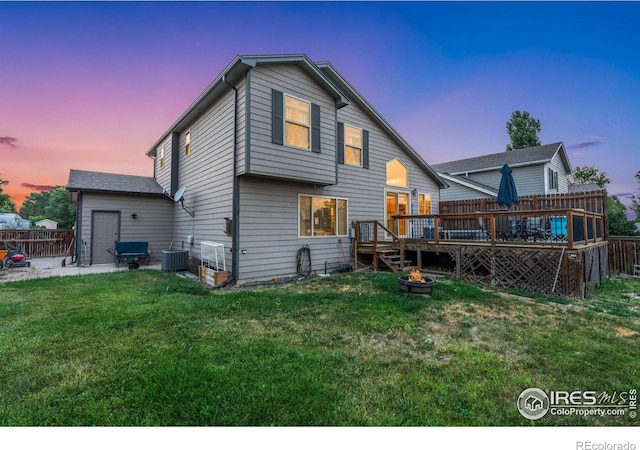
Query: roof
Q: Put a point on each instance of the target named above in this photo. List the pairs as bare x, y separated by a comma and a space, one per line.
468, 182
233, 72
86, 181
323, 73
586, 187
328, 69
515, 158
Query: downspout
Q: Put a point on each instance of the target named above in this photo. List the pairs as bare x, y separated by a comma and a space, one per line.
235, 205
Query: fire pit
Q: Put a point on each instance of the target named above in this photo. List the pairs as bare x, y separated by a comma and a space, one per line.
416, 284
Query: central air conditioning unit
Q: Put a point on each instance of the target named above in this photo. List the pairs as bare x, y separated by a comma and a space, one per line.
175, 260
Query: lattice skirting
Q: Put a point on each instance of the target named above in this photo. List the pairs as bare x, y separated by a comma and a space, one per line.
547, 270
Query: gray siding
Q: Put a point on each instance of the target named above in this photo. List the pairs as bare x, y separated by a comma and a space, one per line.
529, 179
207, 176
269, 208
153, 222
557, 166
457, 191
367, 186
273, 160
163, 174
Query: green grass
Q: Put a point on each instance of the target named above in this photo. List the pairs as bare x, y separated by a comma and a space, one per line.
151, 348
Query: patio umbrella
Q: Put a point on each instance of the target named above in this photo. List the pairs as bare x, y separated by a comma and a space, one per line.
507, 193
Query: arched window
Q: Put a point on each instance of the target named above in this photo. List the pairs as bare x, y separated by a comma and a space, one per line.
397, 174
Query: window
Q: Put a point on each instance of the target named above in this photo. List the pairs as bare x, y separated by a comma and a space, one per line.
187, 146
322, 216
553, 179
397, 174
297, 124
161, 157
424, 204
352, 146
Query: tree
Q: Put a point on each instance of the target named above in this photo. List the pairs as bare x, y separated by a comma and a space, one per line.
5, 201
523, 130
34, 205
635, 200
619, 225
60, 208
588, 175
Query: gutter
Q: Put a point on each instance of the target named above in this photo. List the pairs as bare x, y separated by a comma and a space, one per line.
235, 204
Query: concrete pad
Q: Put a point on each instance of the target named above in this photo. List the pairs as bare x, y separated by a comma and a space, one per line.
52, 267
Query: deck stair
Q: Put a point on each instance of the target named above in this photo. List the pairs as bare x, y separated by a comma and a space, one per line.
392, 259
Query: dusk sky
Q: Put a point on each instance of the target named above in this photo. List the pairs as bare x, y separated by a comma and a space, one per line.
92, 86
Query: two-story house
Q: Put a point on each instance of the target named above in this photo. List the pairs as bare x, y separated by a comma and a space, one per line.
539, 170
278, 153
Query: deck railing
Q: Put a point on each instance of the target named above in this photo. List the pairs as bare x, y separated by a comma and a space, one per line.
373, 233
561, 227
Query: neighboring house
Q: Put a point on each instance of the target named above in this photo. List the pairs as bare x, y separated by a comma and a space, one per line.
277, 154
537, 170
48, 224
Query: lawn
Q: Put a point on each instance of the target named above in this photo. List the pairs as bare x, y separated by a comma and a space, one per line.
150, 348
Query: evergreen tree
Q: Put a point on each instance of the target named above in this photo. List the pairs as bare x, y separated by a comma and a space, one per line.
523, 130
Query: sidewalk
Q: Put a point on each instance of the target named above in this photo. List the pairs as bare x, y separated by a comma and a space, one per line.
52, 267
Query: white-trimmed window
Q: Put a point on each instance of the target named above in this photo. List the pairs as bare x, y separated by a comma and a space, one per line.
553, 179
187, 144
322, 216
161, 157
424, 204
397, 174
297, 123
352, 146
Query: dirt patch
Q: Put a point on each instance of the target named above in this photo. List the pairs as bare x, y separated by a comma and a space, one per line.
623, 332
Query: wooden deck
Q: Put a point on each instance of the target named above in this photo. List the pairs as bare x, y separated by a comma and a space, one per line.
559, 252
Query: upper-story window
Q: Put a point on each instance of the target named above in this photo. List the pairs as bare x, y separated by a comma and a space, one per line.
397, 174
187, 144
553, 179
295, 122
297, 125
352, 146
161, 157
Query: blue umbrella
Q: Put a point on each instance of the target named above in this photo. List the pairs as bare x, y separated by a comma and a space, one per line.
507, 194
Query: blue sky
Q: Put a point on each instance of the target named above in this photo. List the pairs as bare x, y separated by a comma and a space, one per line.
90, 85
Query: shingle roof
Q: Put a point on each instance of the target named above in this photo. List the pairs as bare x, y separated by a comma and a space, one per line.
519, 157
470, 183
84, 180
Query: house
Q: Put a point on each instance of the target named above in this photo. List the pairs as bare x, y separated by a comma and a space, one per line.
539, 170
279, 153
48, 224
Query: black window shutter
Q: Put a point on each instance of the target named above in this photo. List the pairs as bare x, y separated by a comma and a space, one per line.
315, 128
277, 117
340, 145
365, 149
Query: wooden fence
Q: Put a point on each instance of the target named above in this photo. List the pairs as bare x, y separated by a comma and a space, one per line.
594, 201
624, 253
38, 243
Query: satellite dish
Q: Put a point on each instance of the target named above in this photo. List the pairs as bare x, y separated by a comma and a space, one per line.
179, 194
